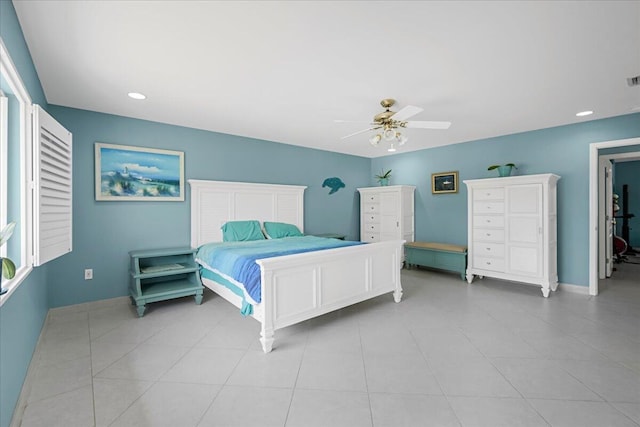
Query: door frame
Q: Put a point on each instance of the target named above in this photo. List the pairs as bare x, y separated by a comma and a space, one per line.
605, 207
593, 201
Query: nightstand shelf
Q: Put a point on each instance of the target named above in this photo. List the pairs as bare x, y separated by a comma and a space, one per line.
162, 274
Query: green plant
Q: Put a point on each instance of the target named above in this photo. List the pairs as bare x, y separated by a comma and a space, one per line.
383, 175
8, 267
492, 167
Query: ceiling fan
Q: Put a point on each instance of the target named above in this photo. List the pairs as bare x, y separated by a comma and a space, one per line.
388, 123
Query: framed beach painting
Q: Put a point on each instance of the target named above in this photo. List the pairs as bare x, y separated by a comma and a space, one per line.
444, 182
125, 173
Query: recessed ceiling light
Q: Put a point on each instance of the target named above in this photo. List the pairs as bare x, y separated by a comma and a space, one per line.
584, 113
136, 95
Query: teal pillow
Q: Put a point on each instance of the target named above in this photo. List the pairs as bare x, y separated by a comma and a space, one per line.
277, 230
238, 231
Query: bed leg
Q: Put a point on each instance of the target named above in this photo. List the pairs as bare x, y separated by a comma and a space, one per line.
266, 338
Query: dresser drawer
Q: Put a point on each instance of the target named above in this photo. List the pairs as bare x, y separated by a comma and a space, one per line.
371, 237
488, 235
487, 263
488, 249
371, 227
371, 217
371, 207
371, 198
488, 194
488, 221
482, 207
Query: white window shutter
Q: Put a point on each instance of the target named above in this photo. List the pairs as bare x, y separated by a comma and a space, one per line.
52, 188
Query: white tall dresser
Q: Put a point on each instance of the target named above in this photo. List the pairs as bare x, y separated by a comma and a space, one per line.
512, 230
387, 213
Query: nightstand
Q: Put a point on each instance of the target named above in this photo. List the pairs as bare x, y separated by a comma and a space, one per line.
331, 235
162, 274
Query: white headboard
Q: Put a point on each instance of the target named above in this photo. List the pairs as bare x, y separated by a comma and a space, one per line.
215, 202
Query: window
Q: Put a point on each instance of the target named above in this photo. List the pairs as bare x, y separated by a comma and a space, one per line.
15, 170
35, 178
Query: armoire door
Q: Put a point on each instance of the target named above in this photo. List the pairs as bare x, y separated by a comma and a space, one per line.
390, 215
524, 229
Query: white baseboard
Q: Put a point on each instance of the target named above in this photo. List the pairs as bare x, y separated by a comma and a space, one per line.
576, 289
87, 306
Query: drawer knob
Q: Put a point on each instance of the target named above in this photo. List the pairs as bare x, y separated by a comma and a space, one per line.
488, 249
488, 234
488, 262
489, 221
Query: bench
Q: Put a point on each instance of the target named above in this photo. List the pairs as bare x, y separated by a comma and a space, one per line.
442, 256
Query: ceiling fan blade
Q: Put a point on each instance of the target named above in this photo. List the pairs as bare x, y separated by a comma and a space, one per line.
360, 131
406, 112
353, 121
427, 125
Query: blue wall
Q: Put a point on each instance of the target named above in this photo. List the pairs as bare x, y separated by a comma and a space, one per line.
629, 173
23, 314
561, 150
104, 232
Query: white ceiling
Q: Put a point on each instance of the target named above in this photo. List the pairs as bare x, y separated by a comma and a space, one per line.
284, 71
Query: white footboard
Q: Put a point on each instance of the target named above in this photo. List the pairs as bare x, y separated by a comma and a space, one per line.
302, 286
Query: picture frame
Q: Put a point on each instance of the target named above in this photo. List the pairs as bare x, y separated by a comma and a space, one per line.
128, 173
444, 182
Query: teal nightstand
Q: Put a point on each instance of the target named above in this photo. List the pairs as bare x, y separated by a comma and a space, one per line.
162, 274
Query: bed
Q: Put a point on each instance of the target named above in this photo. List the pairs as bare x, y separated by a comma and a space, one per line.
296, 287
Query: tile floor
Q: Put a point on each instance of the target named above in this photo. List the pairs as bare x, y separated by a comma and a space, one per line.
450, 354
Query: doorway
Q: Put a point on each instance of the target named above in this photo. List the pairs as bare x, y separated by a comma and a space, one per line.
595, 212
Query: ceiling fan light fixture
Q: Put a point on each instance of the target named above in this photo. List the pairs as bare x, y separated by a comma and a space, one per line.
388, 124
389, 134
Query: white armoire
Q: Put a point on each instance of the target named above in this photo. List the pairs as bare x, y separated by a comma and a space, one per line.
512, 229
387, 213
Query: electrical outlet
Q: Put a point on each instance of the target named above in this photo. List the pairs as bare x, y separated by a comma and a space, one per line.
88, 274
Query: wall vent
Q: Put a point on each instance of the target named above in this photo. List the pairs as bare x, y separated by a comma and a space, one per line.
633, 81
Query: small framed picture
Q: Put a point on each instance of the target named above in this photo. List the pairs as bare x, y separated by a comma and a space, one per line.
444, 182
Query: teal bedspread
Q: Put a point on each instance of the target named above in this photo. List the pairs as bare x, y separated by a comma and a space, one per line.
237, 260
